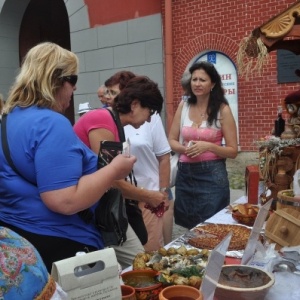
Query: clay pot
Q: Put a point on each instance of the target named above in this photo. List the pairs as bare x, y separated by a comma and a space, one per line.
179, 292
282, 180
139, 278
128, 292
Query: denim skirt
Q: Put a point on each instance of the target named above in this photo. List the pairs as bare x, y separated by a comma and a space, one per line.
201, 190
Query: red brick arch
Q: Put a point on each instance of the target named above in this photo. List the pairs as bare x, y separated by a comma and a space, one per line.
205, 42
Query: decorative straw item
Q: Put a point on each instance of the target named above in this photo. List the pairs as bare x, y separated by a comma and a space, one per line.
252, 55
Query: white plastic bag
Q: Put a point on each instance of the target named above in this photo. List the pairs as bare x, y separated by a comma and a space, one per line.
174, 158
173, 168
296, 183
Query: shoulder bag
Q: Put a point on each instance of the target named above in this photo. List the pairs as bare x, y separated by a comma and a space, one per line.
134, 213
174, 157
110, 213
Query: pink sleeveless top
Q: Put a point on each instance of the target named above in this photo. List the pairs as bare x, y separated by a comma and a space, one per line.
212, 134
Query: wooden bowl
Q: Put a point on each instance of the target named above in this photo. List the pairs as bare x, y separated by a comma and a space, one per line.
246, 282
144, 282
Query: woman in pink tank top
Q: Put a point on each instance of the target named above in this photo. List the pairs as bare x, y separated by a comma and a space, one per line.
199, 126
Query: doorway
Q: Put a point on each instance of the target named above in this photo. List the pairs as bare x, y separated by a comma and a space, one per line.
45, 20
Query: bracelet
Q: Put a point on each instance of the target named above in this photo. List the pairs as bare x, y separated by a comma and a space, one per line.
164, 189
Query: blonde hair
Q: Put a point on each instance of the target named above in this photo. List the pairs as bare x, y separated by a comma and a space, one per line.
40, 77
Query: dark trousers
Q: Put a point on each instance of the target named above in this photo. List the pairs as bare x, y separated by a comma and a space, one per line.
51, 248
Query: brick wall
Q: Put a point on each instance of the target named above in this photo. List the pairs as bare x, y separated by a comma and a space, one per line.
201, 25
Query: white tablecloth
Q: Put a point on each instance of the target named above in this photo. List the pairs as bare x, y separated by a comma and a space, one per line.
224, 216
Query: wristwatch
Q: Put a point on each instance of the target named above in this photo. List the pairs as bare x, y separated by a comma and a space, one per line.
164, 189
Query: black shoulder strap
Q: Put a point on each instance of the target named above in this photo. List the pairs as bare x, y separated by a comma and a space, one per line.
5, 146
115, 116
120, 127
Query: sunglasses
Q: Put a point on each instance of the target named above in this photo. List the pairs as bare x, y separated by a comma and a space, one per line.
111, 93
72, 79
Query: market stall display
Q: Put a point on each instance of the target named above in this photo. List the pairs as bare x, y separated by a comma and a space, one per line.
276, 289
279, 152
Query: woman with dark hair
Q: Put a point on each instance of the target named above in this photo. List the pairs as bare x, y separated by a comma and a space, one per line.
149, 141
115, 84
133, 105
199, 126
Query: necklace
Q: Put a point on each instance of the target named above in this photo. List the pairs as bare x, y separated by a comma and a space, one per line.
201, 113
196, 125
200, 116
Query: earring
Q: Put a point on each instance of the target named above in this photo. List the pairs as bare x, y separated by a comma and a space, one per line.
211, 89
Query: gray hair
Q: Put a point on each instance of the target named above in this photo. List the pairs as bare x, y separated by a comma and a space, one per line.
185, 79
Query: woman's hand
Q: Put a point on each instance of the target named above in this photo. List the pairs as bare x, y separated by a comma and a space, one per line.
154, 198
122, 165
196, 148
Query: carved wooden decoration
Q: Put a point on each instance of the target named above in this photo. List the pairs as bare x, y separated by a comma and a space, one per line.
282, 24
280, 32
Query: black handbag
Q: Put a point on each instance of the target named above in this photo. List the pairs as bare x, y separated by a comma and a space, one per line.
110, 213
111, 218
134, 213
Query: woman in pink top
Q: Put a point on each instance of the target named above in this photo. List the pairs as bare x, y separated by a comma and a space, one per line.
199, 126
137, 100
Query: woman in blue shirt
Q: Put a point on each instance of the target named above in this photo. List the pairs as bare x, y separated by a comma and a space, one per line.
58, 174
